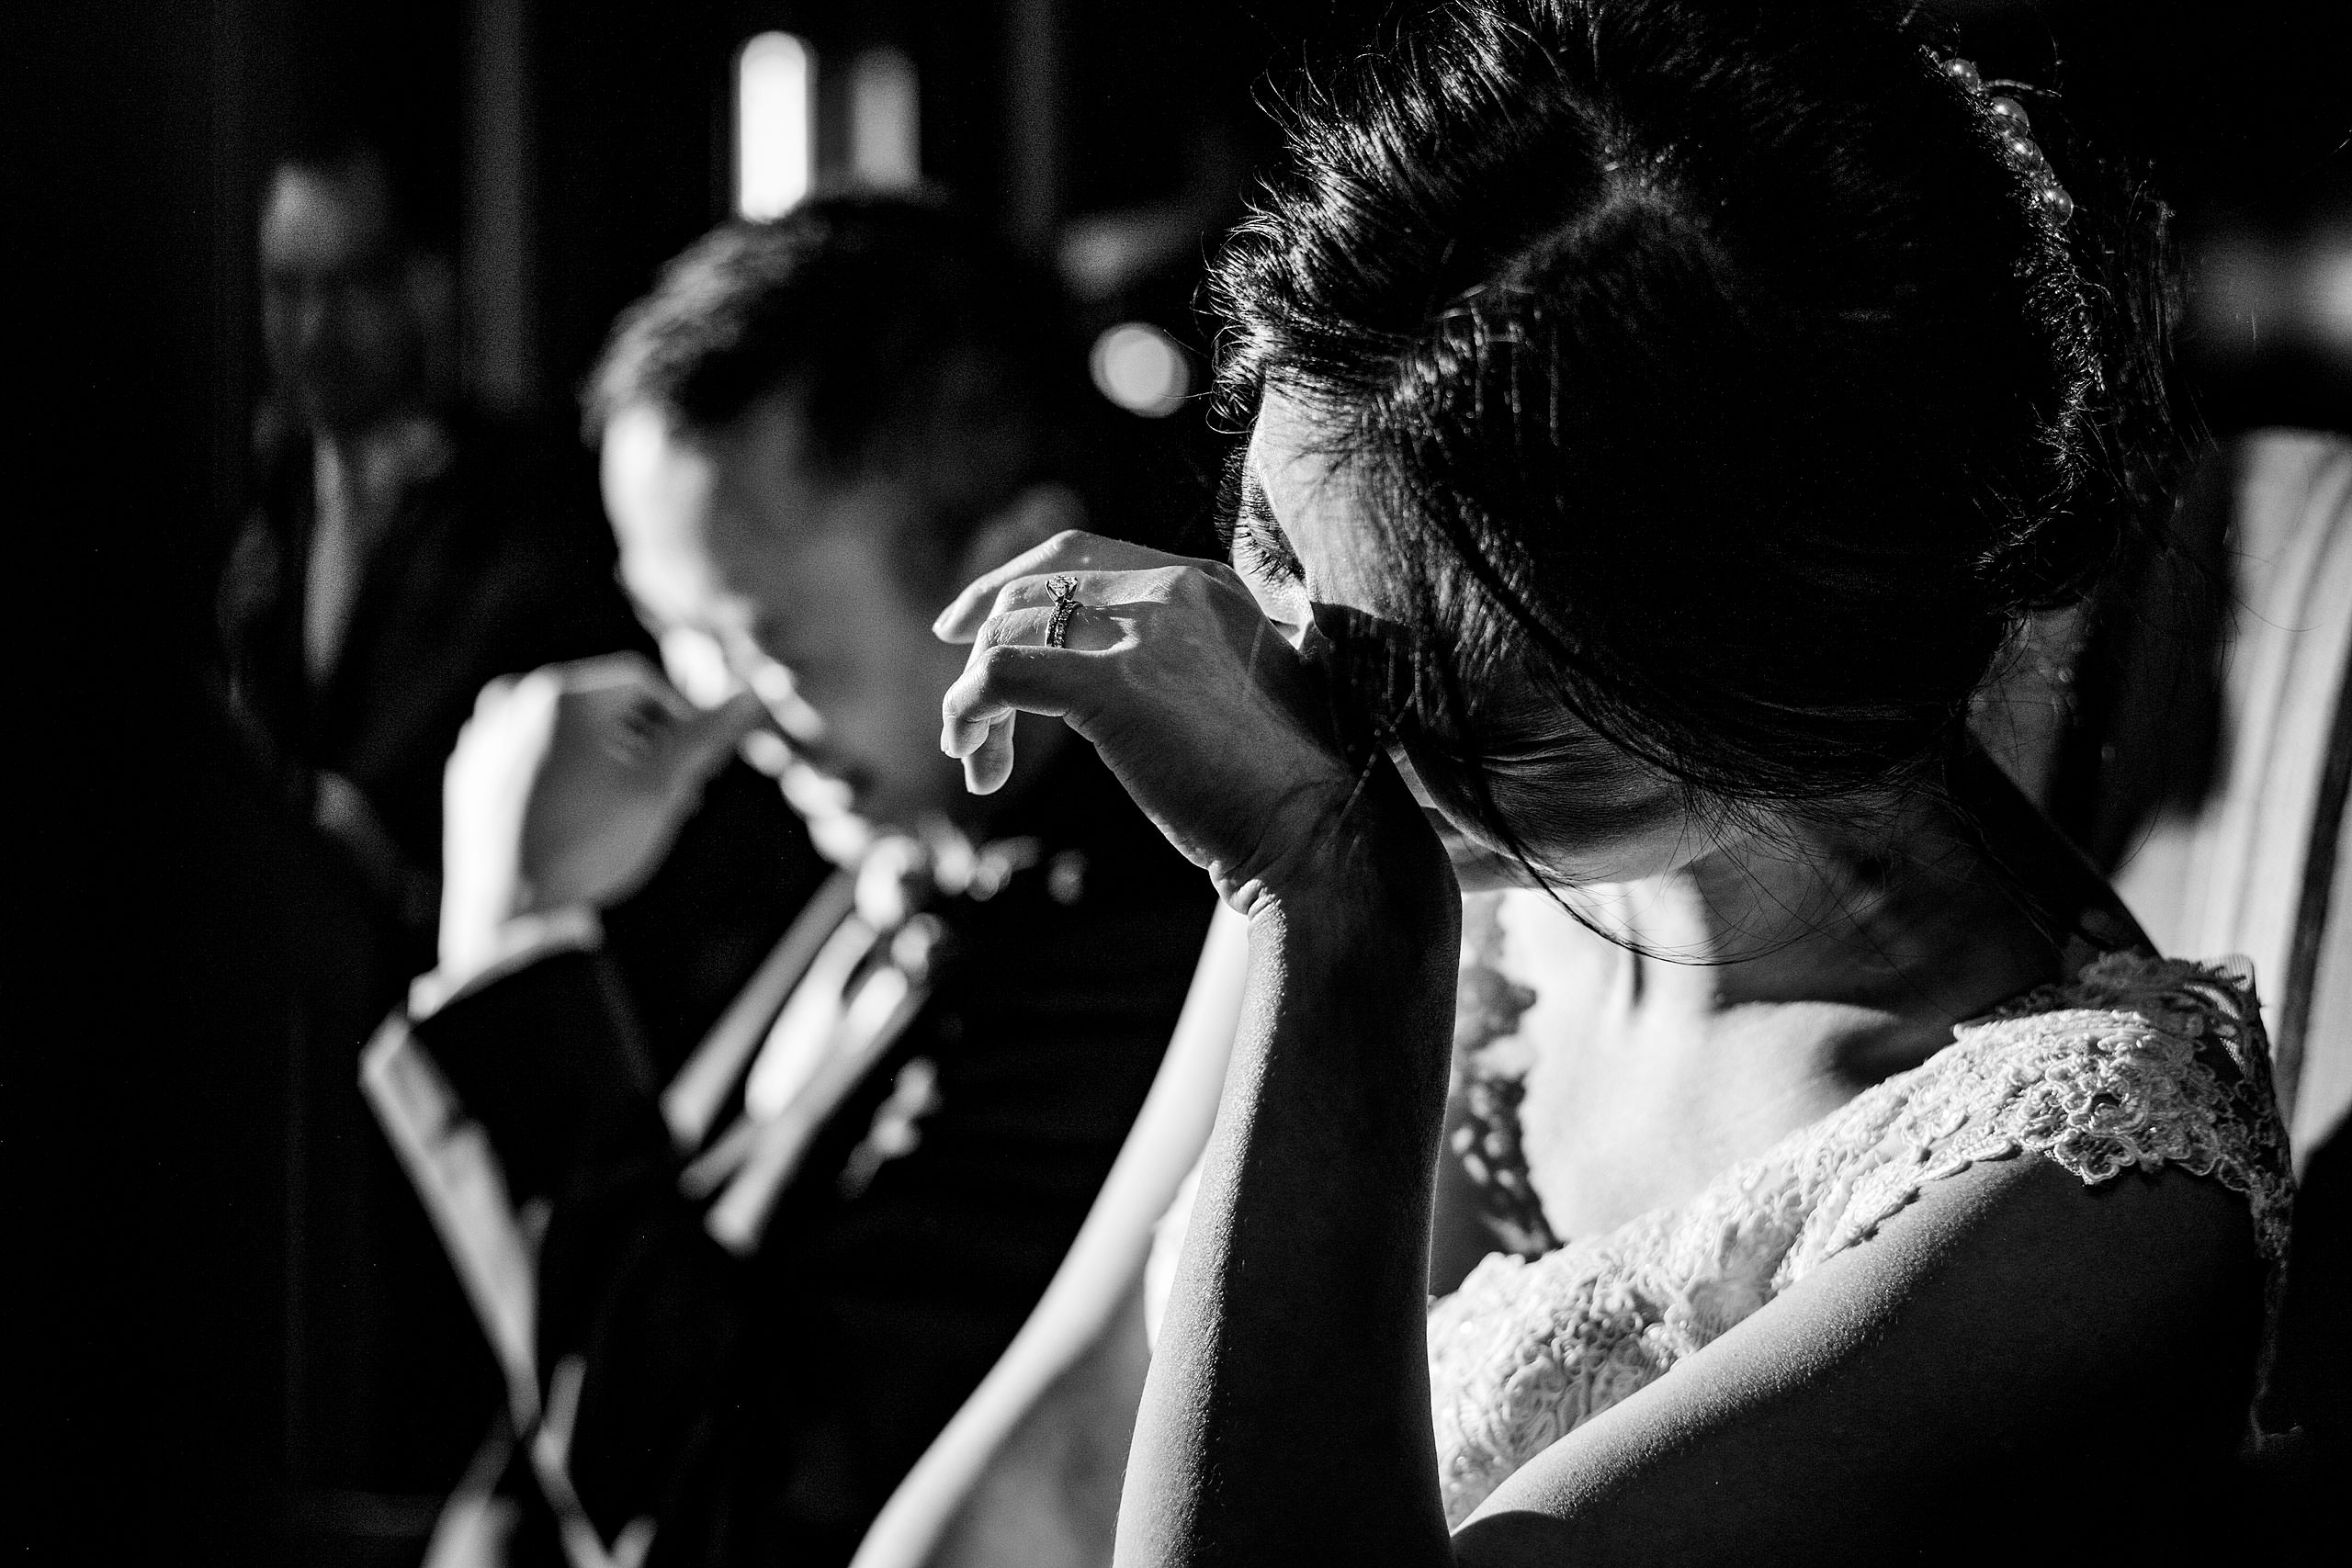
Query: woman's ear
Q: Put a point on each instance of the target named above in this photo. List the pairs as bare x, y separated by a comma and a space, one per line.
1031, 518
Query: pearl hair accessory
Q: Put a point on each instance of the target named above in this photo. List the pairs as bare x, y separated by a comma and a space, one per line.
2014, 132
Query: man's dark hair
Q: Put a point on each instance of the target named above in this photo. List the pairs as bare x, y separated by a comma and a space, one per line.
923, 350
420, 197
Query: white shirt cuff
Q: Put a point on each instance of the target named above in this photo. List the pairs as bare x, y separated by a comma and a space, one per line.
521, 942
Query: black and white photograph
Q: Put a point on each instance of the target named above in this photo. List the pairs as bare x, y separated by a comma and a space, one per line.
1181, 784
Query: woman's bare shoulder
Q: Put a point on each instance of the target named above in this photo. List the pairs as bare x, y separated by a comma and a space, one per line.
1967, 1338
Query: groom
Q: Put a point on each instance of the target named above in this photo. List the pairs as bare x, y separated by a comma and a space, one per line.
758, 1290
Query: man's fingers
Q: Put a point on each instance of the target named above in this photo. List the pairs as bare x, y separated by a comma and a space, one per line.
628, 668
609, 677
707, 736
495, 692
627, 682
531, 701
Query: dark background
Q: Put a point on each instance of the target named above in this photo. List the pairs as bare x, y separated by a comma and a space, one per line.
213, 1360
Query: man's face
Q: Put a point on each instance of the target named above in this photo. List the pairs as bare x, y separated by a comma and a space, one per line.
337, 316
734, 534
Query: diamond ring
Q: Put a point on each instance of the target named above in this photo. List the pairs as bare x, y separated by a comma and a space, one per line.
1064, 592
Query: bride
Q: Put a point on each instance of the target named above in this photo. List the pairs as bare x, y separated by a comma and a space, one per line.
1660, 412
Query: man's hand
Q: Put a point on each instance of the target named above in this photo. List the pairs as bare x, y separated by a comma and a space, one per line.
566, 788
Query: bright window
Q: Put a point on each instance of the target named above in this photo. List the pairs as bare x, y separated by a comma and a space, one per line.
775, 140
884, 119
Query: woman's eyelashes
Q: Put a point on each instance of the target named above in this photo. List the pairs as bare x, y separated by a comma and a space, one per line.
1254, 556
1258, 542
1227, 516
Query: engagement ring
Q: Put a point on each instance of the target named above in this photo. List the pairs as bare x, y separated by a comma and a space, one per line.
1064, 592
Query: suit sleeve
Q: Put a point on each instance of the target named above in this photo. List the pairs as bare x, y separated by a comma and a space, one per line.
633, 1297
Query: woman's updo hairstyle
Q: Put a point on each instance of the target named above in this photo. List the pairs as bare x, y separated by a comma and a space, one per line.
1705, 360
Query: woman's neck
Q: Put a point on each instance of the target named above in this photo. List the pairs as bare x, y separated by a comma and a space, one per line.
1942, 908
1766, 983
1918, 924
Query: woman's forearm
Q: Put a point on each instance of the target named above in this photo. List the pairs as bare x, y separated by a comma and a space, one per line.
1286, 1417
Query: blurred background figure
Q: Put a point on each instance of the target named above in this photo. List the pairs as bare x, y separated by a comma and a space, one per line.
404, 546
409, 542
404, 549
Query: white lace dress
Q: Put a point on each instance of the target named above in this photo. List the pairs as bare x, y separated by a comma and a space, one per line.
2138, 1062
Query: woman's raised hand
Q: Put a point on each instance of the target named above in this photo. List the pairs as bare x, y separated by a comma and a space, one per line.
1210, 718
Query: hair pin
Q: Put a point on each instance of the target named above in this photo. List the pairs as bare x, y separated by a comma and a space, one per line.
2014, 133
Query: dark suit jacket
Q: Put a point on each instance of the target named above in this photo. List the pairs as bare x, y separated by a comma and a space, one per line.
498, 564
763, 1410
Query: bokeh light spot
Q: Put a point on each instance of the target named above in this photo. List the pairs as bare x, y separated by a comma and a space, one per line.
1139, 368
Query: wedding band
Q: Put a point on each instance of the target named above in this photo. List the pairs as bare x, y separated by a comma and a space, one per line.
1064, 592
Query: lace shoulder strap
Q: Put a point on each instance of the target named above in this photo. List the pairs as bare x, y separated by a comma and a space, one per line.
2137, 1063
